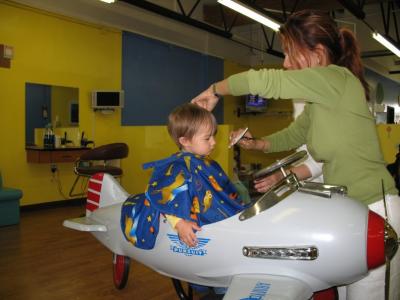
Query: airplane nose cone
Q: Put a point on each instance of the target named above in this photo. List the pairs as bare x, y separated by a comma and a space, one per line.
391, 241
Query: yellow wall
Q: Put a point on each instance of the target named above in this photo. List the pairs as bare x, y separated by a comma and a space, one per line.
389, 136
58, 51
54, 50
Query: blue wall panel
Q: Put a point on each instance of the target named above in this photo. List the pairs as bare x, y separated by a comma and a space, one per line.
157, 77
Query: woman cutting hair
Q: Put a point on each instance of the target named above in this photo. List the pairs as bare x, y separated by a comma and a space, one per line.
324, 68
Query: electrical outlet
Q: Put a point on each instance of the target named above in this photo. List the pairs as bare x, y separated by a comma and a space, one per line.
53, 168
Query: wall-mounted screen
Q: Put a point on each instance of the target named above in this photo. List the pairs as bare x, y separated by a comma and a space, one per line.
255, 103
107, 99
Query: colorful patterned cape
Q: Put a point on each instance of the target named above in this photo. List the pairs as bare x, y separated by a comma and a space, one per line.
185, 185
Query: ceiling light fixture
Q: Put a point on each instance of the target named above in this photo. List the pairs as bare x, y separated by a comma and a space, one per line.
108, 1
387, 42
251, 13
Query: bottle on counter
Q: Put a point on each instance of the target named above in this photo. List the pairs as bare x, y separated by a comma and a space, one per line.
49, 138
52, 139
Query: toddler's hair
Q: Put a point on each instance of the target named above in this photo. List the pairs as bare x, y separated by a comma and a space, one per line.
185, 120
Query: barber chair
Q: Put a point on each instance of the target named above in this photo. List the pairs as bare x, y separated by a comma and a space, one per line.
394, 170
9, 204
97, 160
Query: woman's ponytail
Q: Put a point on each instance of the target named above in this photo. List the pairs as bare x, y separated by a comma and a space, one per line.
351, 58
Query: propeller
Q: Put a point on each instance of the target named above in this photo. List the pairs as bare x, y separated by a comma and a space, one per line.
391, 245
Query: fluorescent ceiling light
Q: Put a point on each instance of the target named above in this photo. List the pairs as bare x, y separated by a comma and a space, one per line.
251, 13
385, 42
108, 1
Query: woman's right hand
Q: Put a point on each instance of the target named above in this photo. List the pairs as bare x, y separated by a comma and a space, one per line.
206, 99
247, 142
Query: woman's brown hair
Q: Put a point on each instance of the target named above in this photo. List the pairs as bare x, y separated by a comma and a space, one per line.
185, 121
307, 29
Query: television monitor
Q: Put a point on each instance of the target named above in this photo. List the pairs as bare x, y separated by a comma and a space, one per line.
107, 99
389, 114
255, 103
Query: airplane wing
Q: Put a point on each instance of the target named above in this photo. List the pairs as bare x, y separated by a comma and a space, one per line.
84, 224
267, 287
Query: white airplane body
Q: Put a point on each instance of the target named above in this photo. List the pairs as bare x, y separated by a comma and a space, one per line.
288, 245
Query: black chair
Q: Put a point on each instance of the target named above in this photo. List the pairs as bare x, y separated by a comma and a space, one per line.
95, 161
394, 170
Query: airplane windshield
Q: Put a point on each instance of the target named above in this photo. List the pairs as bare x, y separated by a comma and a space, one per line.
280, 191
284, 188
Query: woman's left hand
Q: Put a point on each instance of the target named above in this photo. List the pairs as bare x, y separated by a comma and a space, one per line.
264, 184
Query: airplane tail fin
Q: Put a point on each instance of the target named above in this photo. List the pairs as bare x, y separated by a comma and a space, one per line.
103, 190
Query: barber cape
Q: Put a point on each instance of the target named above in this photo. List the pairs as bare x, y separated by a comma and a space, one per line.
188, 186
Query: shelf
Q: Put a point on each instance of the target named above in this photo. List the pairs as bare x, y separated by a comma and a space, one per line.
267, 113
56, 155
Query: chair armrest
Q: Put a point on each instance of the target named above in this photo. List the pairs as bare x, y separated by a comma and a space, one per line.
10, 194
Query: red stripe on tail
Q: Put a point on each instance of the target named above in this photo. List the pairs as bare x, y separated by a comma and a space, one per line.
98, 176
94, 197
94, 186
91, 206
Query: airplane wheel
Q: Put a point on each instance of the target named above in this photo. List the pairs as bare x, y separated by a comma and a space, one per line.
180, 291
120, 270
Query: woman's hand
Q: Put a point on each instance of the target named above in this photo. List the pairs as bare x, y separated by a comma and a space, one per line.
247, 142
206, 99
264, 184
186, 232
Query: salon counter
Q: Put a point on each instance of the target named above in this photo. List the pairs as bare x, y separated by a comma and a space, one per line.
42, 155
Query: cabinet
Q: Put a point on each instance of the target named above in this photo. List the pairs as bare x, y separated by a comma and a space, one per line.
57, 155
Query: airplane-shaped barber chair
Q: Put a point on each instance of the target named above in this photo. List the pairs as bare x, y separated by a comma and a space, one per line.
293, 241
96, 161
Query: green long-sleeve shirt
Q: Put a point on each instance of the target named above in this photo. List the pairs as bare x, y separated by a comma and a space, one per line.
336, 125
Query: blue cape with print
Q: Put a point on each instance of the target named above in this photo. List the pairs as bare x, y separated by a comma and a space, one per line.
185, 185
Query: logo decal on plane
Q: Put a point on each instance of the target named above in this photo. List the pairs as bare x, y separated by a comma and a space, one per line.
259, 291
179, 247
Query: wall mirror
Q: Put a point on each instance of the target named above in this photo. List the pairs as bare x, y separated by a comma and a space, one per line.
49, 104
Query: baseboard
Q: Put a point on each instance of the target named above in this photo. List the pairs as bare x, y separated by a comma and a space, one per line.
61, 203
